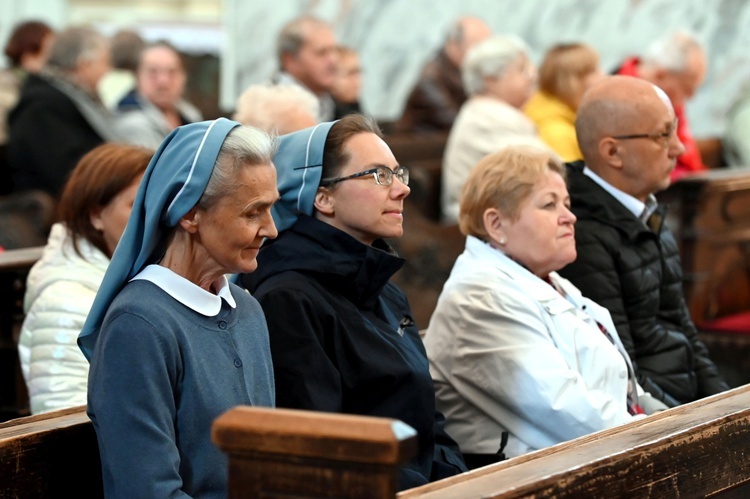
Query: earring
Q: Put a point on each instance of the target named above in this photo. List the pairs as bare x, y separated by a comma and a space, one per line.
502, 241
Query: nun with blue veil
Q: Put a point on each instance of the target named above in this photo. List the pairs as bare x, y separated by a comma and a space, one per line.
171, 341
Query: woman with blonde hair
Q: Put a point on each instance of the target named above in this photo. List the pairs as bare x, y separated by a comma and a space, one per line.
520, 360
566, 72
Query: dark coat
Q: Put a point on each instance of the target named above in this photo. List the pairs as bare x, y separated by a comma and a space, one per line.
343, 339
47, 137
435, 100
636, 274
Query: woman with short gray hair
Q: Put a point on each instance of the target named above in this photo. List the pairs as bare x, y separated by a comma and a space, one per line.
499, 78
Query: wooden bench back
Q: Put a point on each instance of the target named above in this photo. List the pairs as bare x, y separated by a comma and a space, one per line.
696, 450
50, 455
291, 453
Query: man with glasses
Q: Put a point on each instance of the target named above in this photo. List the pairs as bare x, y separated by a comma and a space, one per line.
628, 260
676, 63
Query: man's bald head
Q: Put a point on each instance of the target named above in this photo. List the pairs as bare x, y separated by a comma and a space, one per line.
466, 32
626, 130
614, 106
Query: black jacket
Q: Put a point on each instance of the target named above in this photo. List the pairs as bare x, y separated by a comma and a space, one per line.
343, 339
636, 274
47, 137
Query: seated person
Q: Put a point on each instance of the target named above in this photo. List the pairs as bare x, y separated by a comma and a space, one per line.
348, 83
307, 55
499, 78
156, 106
520, 360
172, 343
566, 72
628, 259
438, 93
342, 336
59, 116
278, 109
61, 286
27, 50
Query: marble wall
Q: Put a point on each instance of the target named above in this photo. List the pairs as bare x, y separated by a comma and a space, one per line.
395, 37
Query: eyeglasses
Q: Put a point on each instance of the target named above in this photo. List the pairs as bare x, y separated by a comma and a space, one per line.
382, 174
661, 138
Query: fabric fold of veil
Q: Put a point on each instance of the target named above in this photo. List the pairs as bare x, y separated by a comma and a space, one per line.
172, 185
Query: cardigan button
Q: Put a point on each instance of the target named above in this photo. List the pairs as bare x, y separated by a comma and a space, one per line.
237, 363
222, 324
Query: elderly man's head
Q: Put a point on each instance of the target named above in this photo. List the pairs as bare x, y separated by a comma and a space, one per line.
307, 51
83, 54
627, 132
676, 63
465, 33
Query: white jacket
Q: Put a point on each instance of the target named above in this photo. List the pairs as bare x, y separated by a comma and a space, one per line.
60, 289
484, 125
509, 353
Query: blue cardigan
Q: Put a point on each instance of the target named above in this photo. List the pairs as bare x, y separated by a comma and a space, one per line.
160, 374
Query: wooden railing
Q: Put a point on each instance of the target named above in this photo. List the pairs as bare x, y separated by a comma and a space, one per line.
696, 450
710, 216
700, 449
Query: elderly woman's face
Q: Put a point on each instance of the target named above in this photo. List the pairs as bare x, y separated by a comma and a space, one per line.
516, 84
543, 237
359, 206
232, 231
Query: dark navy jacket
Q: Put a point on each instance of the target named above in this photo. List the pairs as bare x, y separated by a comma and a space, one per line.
343, 339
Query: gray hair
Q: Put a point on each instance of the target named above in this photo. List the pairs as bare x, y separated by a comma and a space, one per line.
264, 106
76, 44
292, 36
672, 51
490, 58
244, 146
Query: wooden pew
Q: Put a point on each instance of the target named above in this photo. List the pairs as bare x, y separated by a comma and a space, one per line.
53, 454
14, 267
290, 453
710, 215
696, 450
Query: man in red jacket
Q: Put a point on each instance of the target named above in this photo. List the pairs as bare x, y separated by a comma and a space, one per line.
676, 63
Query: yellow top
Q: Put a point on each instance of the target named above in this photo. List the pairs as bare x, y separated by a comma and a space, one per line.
555, 123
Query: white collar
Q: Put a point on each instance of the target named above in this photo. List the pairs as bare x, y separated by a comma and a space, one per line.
188, 293
633, 205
